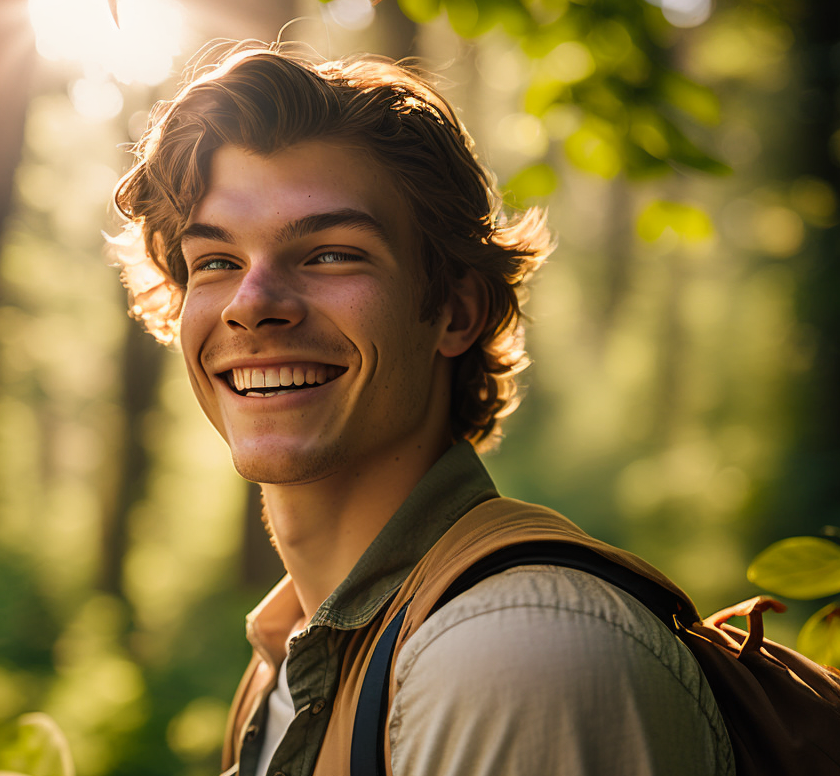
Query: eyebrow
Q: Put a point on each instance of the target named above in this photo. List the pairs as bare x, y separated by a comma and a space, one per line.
299, 228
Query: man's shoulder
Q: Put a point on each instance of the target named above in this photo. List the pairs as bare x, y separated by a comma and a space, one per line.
574, 648
576, 607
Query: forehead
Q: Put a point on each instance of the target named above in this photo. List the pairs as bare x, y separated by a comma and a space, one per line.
250, 191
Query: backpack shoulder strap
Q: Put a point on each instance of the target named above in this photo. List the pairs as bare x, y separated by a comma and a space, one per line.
367, 747
367, 750
662, 602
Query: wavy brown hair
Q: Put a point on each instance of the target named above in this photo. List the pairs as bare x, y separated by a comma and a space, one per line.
266, 98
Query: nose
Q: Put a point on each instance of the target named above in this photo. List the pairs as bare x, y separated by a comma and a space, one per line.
264, 297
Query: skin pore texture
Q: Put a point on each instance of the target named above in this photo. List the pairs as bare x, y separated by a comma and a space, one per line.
302, 338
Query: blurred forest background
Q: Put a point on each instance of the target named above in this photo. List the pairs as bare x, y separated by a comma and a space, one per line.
683, 397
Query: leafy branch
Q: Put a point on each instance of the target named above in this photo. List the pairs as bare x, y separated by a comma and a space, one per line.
805, 568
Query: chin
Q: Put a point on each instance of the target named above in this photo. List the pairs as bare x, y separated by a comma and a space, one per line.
286, 468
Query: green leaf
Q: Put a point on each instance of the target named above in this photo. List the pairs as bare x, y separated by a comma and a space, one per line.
684, 151
602, 100
35, 746
646, 131
545, 37
595, 148
541, 94
819, 638
801, 567
610, 42
697, 101
639, 165
420, 11
514, 18
687, 153
538, 180
464, 17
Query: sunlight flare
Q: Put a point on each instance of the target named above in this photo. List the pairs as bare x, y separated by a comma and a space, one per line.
140, 50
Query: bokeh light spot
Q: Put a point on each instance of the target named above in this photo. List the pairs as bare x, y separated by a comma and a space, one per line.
815, 200
504, 71
198, 729
523, 133
740, 144
351, 14
569, 63
661, 218
96, 100
778, 230
686, 13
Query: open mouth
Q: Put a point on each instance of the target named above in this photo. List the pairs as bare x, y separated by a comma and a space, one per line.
273, 381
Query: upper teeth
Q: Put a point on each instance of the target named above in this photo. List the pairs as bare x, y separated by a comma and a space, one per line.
282, 377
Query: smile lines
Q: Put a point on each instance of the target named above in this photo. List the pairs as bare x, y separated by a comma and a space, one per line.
263, 382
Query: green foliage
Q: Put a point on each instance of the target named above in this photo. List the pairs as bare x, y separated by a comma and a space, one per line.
421, 11
820, 636
536, 181
806, 567
608, 59
33, 745
470, 18
803, 567
595, 148
691, 98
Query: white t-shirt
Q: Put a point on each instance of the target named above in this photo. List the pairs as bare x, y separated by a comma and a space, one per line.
281, 712
544, 670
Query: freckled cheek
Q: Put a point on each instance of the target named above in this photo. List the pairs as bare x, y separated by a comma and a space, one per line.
197, 322
360, 312
202, 309
387, 324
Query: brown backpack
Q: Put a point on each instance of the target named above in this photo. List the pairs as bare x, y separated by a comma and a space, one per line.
782, 710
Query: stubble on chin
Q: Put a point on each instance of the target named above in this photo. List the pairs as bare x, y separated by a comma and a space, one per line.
287, 468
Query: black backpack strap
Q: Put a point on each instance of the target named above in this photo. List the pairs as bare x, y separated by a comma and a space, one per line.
661, 601
367, 747
367, 753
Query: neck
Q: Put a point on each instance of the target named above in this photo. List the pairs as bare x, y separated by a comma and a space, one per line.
322, 528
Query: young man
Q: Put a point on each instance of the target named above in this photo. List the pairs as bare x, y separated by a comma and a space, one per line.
333, 259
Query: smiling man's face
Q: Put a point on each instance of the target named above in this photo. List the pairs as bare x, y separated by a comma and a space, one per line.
301, 329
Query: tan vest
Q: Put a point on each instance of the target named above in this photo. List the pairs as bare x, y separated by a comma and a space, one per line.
489, 527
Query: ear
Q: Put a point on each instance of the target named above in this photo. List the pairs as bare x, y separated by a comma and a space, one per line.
463, 315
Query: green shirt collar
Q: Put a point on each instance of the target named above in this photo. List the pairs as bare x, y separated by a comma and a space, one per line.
454, 485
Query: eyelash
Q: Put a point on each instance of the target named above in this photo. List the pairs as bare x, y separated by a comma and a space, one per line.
342, 256
205, 265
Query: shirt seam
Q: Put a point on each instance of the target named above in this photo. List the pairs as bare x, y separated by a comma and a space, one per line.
616, 626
